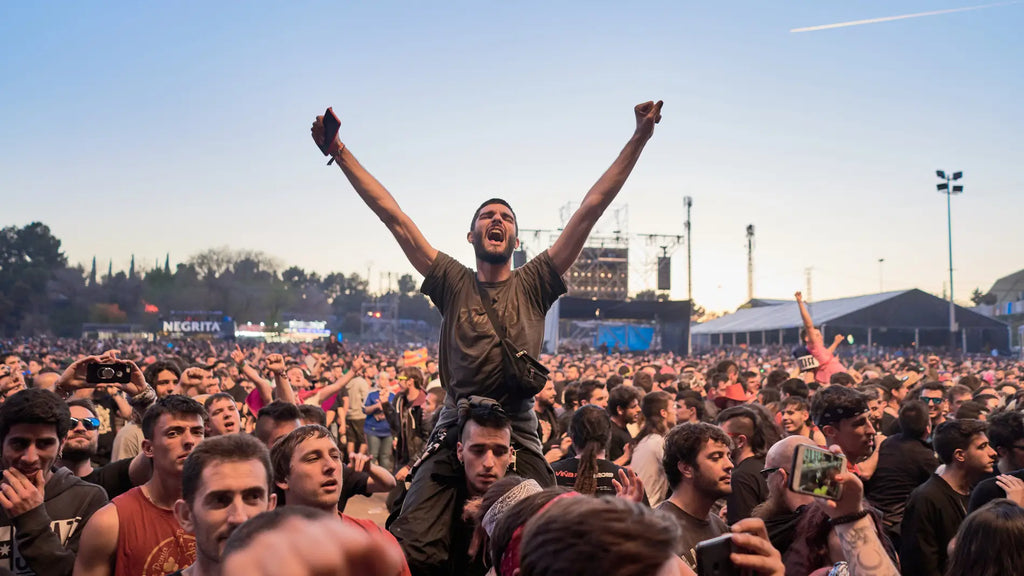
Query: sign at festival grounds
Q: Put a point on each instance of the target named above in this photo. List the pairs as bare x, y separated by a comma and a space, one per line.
205, 327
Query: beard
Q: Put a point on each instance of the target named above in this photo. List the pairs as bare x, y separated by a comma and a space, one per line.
78, 453
491, 257
708, 484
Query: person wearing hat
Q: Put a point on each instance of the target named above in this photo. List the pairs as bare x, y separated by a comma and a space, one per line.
842, 416
734, 395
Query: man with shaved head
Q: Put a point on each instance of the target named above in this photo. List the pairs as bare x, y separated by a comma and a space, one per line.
784, 507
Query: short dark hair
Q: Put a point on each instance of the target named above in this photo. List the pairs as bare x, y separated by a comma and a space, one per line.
313, 414
914, 419
484, 412
622, 397
835, 404
83, 403
693, 401
159, 366
597, 535
1005, 429
587, 388
795, 387
214, 397
283, 450
953, 435
274, 413
170, 404
970, 410
265, 522
841, 379
34, 406
775, 378
932, 386
684, 443
228, 448
644, 381
476, 214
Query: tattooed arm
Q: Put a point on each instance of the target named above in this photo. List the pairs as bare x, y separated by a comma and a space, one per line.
865, 555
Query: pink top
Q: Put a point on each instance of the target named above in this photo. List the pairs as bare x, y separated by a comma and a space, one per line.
828, 364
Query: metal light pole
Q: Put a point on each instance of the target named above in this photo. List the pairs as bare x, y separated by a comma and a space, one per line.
948, 189
688, 202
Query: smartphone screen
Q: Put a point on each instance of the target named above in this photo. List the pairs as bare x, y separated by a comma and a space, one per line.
331, 126
815, 470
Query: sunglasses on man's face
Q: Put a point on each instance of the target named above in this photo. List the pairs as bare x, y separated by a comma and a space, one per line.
88, 423
932, 400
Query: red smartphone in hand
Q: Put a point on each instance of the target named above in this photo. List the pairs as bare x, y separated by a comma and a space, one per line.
331, 126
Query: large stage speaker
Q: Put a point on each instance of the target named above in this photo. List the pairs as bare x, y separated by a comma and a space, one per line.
664, 273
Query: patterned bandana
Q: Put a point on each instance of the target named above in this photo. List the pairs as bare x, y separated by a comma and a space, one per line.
520, 491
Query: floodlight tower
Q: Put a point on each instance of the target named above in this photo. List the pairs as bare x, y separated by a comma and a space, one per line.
750, 262
948, 189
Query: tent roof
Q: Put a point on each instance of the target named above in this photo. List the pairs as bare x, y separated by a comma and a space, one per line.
1009, 288
898, 309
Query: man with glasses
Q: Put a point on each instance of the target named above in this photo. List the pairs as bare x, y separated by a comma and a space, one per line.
81, 445
934, 395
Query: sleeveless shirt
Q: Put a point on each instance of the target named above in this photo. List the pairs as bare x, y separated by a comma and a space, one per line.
149, 540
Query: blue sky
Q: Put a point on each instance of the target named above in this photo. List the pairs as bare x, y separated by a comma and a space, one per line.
172, 127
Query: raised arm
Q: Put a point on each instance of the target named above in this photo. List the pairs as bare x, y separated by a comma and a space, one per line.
419, 252
570, 242
804, 314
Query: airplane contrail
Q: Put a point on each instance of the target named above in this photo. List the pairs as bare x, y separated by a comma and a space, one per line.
901, 17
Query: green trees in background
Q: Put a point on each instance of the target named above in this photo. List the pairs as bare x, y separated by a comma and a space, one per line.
41, 294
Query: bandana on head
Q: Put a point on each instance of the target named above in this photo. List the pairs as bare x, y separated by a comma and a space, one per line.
520, 491
510, 559
839, 413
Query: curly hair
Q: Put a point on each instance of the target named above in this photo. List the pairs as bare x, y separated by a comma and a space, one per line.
684, 443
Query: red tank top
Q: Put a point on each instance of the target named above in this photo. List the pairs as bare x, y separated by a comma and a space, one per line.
149, 540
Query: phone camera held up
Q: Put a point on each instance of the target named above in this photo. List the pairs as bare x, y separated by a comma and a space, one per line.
112, 373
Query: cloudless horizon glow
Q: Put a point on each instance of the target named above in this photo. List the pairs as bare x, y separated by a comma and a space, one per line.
176, 127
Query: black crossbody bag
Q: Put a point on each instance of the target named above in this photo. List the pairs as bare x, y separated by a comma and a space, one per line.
524, 375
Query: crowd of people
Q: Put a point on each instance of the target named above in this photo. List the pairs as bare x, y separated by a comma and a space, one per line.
203, 458
168, 470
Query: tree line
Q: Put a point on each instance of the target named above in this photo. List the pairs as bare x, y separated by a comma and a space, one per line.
41, 294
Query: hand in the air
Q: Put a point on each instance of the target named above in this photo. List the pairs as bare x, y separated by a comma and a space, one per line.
647, 115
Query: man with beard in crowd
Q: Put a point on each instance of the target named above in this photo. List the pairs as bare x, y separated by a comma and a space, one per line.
699, 469
42, 508
307, 469
624, 409
934, 395
748, 451
225, 482
936, 508
547, 421
81, 445
137, 533
784, 507
470, 351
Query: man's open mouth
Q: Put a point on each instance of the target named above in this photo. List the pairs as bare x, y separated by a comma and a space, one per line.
496, 235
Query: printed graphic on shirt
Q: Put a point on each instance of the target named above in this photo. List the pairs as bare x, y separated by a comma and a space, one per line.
11, 557
171, 555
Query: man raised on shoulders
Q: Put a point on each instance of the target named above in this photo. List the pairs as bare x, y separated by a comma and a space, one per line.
470, 352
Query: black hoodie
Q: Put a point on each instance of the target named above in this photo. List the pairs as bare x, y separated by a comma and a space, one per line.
44, 540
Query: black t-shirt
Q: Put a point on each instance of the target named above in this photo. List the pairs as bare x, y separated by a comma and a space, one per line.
987, 490
748, 489
933, 515
694, 530
113, 477
548, 429
352, 484
238, 393
469, 351
617, 446
903, 465
565, 475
